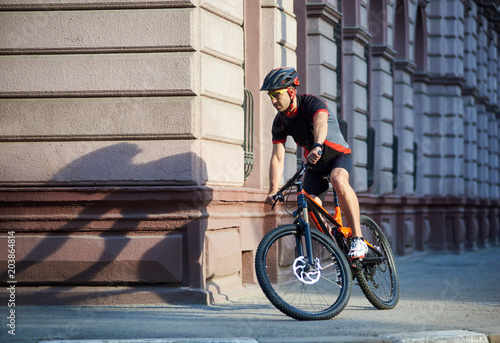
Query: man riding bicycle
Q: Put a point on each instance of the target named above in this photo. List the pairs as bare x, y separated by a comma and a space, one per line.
307, 119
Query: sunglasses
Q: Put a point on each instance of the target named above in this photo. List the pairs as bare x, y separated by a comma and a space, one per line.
275, 94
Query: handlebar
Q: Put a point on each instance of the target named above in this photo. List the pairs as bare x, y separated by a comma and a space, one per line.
279, 195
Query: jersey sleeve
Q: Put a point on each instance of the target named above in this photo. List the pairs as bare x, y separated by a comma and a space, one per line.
319, 105
278, 131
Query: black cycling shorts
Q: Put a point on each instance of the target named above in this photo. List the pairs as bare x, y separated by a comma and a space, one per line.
317, 179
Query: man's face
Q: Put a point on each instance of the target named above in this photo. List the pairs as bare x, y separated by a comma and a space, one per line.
280, 99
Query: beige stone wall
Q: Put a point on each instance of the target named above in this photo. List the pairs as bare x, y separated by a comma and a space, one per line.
123, 86
278, 46
116, 94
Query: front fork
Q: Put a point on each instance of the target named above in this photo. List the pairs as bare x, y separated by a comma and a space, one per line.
306, 270
304, 223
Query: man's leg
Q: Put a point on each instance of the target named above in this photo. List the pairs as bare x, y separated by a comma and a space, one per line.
348, 200
350, 207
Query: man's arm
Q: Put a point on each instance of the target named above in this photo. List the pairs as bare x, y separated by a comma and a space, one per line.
276, 170
320, 132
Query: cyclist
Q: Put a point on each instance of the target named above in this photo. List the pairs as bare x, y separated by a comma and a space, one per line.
306, 118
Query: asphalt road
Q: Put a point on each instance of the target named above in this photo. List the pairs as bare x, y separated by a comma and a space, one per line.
438, 292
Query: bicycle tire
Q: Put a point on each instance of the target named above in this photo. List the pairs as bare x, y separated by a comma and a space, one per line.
378, 281
275, 260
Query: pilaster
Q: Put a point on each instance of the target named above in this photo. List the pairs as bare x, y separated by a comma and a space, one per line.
404, 122
355, 100
278, 46
322, 52
382, 116
483, 154
447, 72
469, 94
422, 128
492, 109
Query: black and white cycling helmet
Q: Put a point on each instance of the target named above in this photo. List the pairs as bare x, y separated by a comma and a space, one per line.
280, 78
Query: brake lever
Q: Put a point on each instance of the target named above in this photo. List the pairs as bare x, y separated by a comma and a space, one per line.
277, 197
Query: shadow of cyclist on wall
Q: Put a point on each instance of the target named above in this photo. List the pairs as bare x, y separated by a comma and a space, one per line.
139, 224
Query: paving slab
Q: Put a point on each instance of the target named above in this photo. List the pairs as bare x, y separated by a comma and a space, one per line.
451, 336
174, 340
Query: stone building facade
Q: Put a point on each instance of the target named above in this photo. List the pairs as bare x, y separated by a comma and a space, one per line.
134, 141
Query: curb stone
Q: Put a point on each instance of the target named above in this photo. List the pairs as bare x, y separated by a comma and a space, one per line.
493, 333
452, 336
330, 339
167, 340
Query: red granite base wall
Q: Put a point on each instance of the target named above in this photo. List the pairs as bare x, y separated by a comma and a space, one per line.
105, 237
442, 224
187, 244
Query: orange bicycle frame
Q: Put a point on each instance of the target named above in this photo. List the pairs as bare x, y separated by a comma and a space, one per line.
336, 219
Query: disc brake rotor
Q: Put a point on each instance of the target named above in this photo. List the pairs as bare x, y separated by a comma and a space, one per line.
306, 273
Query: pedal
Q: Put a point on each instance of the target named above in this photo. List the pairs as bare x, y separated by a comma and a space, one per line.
355, 262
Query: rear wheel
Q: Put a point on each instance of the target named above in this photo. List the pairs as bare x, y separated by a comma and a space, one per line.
296, 288
377, 274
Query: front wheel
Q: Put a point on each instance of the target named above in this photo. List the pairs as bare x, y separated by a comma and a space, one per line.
297, 288
377, 273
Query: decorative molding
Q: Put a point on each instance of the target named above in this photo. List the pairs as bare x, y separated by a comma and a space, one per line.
470, 91
483, 100
421, 76
95, 50
358, 34
93, 138
45, 5
493, 108
383, 51
98, 94
423, 3
324, 11
446, 80
405, 65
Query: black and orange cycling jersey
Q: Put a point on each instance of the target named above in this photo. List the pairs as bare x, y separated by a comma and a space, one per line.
300, 125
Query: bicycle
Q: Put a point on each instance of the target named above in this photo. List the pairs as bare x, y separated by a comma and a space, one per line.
303, 268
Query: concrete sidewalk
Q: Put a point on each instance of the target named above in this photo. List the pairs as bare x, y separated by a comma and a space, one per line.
444, 298
452, 336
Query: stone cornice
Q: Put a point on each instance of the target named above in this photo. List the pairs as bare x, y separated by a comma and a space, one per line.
324, 11
469, 91
446, 80
483, 100
421, 76
473, 91
405, 65
493, 108
383, 51
423, 3
94, 5
357, 33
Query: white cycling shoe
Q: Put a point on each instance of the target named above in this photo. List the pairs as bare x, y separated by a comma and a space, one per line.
358, 248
